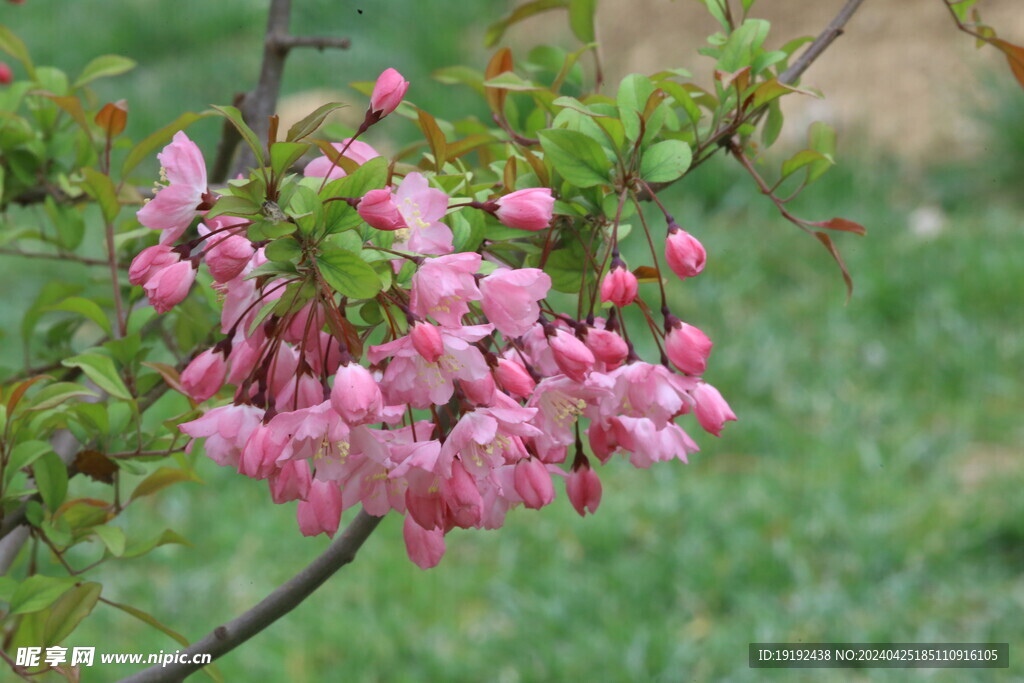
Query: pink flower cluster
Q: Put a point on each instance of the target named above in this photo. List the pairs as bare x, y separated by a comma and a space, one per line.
478, 397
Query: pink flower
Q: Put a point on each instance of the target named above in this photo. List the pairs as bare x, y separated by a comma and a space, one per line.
607, 346
443, 286
204, 376
462, 498
226, 430
169, 286
174, 206
514, 378
712, 410
487, 438
149, 262
685, 255
510, 298
571, 355
412, 379
529, 209
583, 487
261, 452
422, 207
687, 347
533, 483
647, 444
6, 75
560, 402
425, 547
378, 208
320, 513
619, 285
289, 481
356, 395
322, 166
388, 92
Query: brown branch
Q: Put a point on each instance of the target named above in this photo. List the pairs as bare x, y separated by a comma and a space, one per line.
821, 43
282, 600
318, 42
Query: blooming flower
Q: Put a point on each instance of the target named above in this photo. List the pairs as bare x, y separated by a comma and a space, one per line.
175, 205
510, 298
422, 207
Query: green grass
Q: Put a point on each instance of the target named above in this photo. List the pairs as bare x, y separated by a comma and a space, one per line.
869, 492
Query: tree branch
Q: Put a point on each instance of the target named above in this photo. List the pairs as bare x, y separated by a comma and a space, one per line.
282, 600
821, 43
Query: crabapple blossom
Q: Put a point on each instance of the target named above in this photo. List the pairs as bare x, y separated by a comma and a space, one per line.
687, 347
619, 286
529, 209
684, 254
175, 205
388, 92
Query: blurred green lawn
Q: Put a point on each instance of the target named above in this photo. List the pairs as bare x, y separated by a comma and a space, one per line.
870, 491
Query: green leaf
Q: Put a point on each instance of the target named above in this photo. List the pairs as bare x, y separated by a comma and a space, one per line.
23, 455
51, 477
496, 30
39, 592
577, 157
53, 395
311, 123
69, 611
235, 117
87, 308
13, 45
563, 266
231, 205
101, 370
665, 161
162, 478
101, 188
348, 274
113, 537
103, 67
284, 154
167, 536
510, 80
634, 92
822, 138
284, 249
7, 587
581, 19
149, 144
149, 619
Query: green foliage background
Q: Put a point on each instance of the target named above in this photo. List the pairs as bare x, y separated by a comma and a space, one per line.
869, 492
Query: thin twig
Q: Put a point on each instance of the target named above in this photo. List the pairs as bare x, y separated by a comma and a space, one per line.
821, 43
56, 257
282, 600
317, 42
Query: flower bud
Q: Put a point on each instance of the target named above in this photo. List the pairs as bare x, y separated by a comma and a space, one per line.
571, 355
6, 75
533, 483
619, 285
583, 487
514, 378
712, 410
320, 513
169, 286
460, 492
529, 209
387, 93
426, 339
149, 262
204, 376
607, 347
378, 208
292, 480
228, 257
480, 392
355, 395
688, 348
685, 255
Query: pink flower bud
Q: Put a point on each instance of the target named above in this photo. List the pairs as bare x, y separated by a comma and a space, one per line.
426, 509
356, 395
320, 513
533, 483
607, 347
149, 262
228, 256
480, 392
388, 93
204, 376
688, 348
378, 208
426, 339
514, 378
619, 286
583, 487
460, 492
685, 255
571, 355
260, 454
6, 75
291, 481
712, 410
424, 546
529, 209
169, 286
